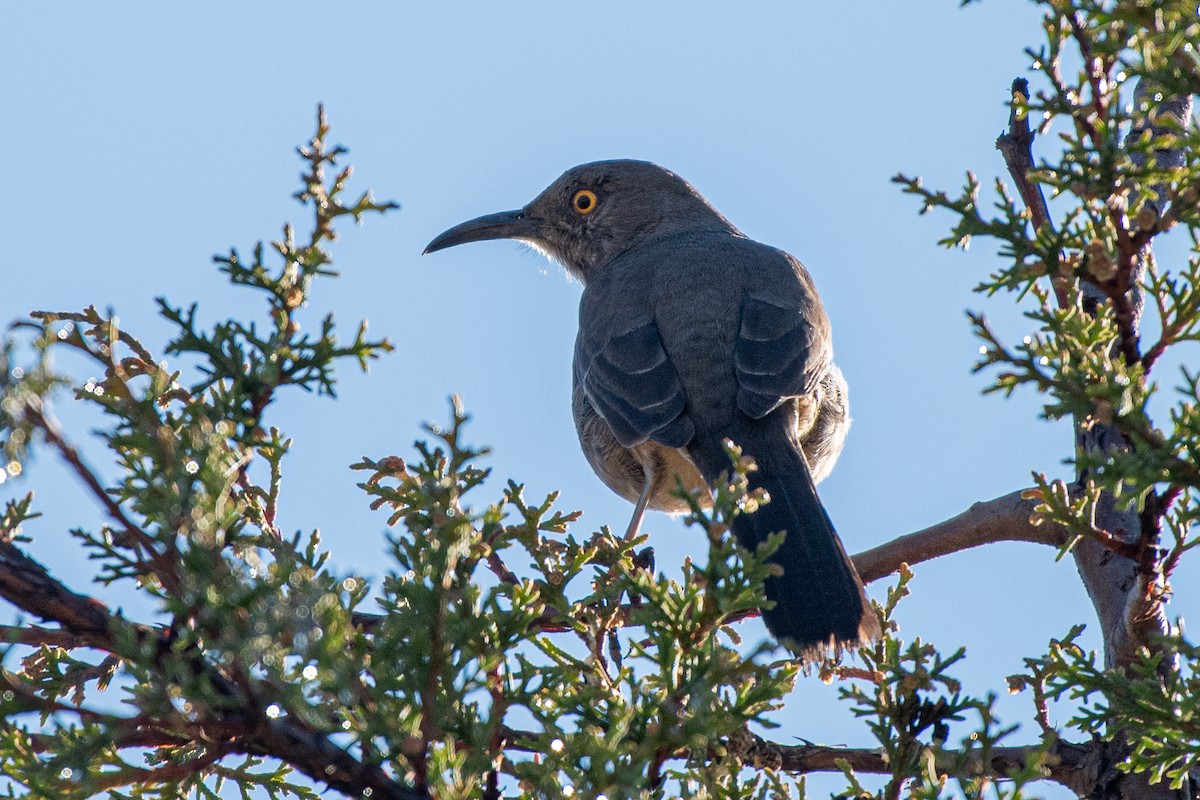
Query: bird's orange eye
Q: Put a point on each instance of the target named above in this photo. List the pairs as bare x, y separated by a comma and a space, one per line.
584, 201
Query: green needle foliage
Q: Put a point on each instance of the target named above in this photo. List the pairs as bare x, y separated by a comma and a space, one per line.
501, 654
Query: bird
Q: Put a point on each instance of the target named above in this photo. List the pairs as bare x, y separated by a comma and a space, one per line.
691, 334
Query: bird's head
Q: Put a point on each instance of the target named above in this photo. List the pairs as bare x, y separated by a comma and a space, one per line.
594, 213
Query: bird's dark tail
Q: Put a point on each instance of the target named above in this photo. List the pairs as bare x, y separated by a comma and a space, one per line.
819, 602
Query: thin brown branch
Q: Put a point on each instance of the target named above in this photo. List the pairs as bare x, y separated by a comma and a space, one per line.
500, 569
36, 636
1069, 764
1182, 545
1072, 765
1170, 328
165, 774
313, 754
30, 700
251, 494
1016, 145
554, 621
139, 738
90, 316
494, 562
139, 540
1095, 72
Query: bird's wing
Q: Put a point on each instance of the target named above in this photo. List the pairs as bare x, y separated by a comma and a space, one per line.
779, 353
633, 385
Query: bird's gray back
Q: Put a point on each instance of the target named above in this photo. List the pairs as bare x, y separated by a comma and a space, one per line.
693, 285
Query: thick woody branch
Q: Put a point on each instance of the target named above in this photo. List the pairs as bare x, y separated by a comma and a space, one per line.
1004, 519
1128, 593
1127, 599
28, 585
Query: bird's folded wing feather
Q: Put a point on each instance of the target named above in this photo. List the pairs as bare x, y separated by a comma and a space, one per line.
778, 354
633, 385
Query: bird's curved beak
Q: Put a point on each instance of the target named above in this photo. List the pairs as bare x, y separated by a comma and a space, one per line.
505, 225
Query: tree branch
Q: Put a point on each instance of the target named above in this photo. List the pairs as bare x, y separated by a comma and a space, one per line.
1072, 765
139, 540
135, 737
1005, 518
28, 585
313, 754
35, 636
1127, 604
163, 774
1016, 145
1128, 594
1077, 766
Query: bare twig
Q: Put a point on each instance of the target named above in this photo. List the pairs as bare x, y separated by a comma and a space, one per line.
1016, 145
500, 569
1004, 519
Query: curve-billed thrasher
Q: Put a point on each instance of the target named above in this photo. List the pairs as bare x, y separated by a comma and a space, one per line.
690, 334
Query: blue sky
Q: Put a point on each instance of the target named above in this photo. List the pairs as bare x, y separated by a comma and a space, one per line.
141, 138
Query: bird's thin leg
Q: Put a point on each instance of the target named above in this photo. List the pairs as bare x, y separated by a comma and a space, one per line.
639, 510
